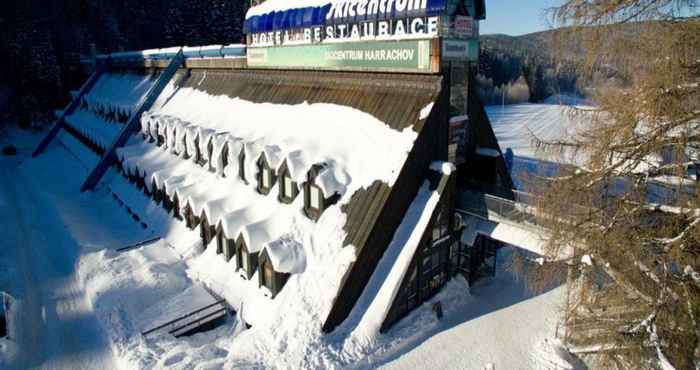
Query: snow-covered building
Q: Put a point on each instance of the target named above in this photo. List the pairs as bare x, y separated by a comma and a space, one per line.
320, 163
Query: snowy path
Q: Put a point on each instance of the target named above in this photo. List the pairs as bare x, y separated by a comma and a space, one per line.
57, 329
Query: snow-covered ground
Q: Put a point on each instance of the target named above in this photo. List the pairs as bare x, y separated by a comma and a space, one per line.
501, 324
82, 304
47, 225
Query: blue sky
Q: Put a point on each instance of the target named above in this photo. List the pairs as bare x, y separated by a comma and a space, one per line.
515, 17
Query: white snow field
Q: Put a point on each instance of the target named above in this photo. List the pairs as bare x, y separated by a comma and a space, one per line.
518, 126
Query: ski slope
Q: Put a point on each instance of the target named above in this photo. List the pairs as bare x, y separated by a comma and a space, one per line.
518, 127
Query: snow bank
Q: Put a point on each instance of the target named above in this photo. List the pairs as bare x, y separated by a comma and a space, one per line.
287, 256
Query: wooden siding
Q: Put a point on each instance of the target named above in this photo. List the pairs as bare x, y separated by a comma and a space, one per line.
446, 187
375, 213
278, 278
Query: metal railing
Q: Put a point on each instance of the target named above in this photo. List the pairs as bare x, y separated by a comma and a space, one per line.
521, 212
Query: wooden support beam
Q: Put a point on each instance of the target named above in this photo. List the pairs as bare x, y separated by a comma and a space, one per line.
132, 126
75, 102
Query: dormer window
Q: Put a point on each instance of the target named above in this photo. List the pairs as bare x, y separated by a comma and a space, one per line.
321, 191
198, 152
191, 220
241, 165
206, 230
268, 274
157, 194
266, 176
288, 189
224, 160
173, 141
210, 155
245, 260
185, 152
161, 138
315, 196
274, 274
176, 207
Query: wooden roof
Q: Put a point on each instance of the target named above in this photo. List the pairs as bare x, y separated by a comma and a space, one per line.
395, 99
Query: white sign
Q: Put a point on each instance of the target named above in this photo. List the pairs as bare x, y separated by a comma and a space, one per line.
455, 50
371, 8
417, 27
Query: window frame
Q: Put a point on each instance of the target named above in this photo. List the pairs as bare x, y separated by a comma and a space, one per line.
313, 189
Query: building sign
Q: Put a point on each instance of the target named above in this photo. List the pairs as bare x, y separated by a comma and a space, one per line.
460, 50
343, 9
463, 27
398, 56
415, 27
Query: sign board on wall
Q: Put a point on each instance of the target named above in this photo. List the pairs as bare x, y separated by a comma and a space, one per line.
460, 50
403, 56
415, 27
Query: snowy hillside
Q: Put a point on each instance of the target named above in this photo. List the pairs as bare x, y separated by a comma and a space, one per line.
517, 126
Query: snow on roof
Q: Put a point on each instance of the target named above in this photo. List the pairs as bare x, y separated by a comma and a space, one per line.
425, 112
374, 304
257, 234
274, 155
508, 234
270, 6
123, 90
298, 165
94, 127
353, 140
332, 180
233, 221
287, 256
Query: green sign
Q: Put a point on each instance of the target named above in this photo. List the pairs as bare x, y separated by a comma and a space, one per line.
396, 56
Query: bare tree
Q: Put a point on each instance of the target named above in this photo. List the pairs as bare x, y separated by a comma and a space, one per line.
629, 219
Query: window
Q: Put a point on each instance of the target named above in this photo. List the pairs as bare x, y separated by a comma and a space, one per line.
186, 153
220, 244
288, 187
224, 157
197, 151
245, 264
241, 166
228, 251
268, 274
314, 197
265, 178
